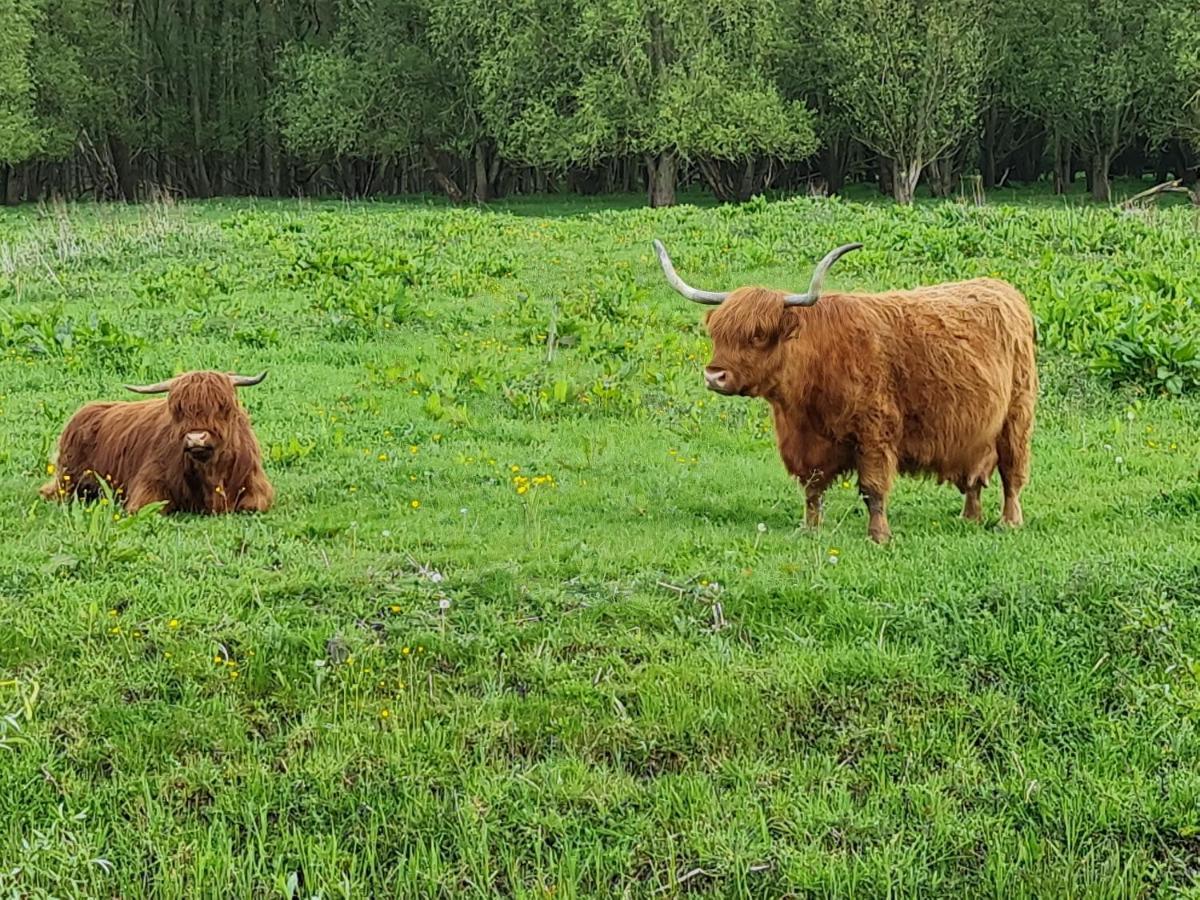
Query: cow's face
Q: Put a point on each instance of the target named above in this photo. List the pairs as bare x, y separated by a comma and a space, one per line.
747, 332
203, 405
204, 410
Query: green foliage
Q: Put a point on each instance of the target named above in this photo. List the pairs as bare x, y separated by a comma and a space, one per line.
20, 134
32, 334
538, 614
467, 97
375, 92
628, 77
906, 74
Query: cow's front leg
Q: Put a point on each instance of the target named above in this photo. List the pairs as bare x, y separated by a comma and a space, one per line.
814, 497
144, 493
257, 495
876, 472
972, 507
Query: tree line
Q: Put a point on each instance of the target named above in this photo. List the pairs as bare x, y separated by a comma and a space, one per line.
477, 99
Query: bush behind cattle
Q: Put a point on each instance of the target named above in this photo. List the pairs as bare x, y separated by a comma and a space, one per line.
425, 672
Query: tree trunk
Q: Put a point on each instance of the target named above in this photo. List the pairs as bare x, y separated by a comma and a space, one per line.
1101, 190
126, 180
662, 171
483, 187
833, 163
943, 177
5, 180
987, 150
905, 178
441, 176
1062, 165
887, 176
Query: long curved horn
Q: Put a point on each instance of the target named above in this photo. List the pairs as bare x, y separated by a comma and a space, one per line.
814, 287
247, 380
161, 388
711, 298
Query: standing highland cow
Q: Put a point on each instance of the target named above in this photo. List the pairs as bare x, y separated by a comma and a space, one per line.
939, 380
194, 450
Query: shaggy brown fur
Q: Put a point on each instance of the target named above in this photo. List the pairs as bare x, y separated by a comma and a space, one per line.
193, 450
939, 380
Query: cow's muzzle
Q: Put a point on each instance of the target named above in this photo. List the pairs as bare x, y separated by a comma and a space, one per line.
718, 380
198, 445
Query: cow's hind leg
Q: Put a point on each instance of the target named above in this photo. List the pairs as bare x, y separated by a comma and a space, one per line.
1013, 451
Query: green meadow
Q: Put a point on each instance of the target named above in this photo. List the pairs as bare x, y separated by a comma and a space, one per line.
537, 616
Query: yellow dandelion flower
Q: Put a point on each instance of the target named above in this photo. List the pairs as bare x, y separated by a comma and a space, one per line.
405, 651
383, 457
415, 504
233, 675
523, 489
217, 660
413, 448
50, 468
514, 468
394, 608
174, 623
112, 612
384, 713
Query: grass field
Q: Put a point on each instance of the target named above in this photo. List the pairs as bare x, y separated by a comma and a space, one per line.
472, 650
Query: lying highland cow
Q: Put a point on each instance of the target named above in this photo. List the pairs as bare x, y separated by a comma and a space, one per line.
193, 450
939, 380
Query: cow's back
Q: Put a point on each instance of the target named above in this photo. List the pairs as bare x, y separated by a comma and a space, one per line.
110, 438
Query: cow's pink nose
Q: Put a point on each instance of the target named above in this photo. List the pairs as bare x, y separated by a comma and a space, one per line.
715, 378
196, 439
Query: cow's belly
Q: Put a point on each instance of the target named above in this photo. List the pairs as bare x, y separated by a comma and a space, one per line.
957, 443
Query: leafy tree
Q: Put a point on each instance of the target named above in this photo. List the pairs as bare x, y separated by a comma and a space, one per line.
1185, 52
907, 75
1095, 66
20, 133
666, 81
376, 92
